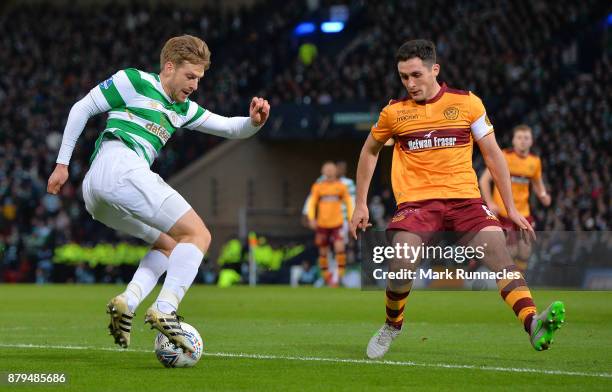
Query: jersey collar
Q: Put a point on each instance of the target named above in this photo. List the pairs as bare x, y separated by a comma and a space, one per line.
513, 151
435, 98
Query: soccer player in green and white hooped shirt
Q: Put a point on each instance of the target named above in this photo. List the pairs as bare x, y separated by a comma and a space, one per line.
121, 191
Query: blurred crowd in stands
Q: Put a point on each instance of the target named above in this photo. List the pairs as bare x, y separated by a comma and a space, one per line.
535, 62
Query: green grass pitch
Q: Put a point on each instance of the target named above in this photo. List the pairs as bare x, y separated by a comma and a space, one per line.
279, 338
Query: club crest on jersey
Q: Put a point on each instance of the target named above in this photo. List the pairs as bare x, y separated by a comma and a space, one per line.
451, 113
106, 84
174, 119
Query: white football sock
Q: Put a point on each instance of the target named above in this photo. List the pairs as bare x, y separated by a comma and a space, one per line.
151, 267
183, 267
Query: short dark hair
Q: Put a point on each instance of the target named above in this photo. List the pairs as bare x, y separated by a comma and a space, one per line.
421, 48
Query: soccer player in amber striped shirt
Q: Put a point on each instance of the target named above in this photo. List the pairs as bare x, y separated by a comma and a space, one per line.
436, 188
525, 169
326, 217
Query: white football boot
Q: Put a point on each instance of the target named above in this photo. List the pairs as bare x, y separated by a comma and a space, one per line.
381, 341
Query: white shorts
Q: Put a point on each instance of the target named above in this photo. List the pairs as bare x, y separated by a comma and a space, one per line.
121, 191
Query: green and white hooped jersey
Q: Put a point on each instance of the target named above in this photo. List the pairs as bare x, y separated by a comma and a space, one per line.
140, 113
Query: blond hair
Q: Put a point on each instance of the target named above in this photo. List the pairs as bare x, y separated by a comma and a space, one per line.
185, 48
521, 127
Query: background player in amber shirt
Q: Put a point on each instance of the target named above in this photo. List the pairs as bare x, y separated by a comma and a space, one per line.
436, 188
326, 217
525, 168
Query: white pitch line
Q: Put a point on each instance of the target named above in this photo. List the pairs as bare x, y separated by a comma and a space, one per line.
333, 360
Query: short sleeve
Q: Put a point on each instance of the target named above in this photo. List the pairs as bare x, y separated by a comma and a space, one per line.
382, 130
479, 121
537, 173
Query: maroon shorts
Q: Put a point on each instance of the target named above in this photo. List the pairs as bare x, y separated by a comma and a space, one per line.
325, 237
435, 215
512, 230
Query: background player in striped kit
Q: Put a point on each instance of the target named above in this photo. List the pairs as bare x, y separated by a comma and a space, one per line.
350, 184
525, 169
122, 192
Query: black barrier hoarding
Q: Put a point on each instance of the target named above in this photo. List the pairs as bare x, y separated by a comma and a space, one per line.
475, 261
316, 122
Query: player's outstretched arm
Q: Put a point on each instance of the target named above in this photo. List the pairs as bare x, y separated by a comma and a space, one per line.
79, 114
365, 169
487, 190
497, 165
234, 127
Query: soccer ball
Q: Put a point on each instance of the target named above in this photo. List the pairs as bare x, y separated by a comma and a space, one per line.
171, 356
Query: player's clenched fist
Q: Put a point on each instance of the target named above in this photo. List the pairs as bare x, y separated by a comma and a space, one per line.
360, 219
259, 111
57, 179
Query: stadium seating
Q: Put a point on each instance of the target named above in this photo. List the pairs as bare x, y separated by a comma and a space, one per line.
551, 77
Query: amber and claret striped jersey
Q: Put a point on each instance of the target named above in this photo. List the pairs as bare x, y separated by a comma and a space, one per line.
326, 199
432, 157
522, 171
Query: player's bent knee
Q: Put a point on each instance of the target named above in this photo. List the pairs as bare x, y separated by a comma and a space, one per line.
200, 237
497, 257
191, 229
204, 239
165, 244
